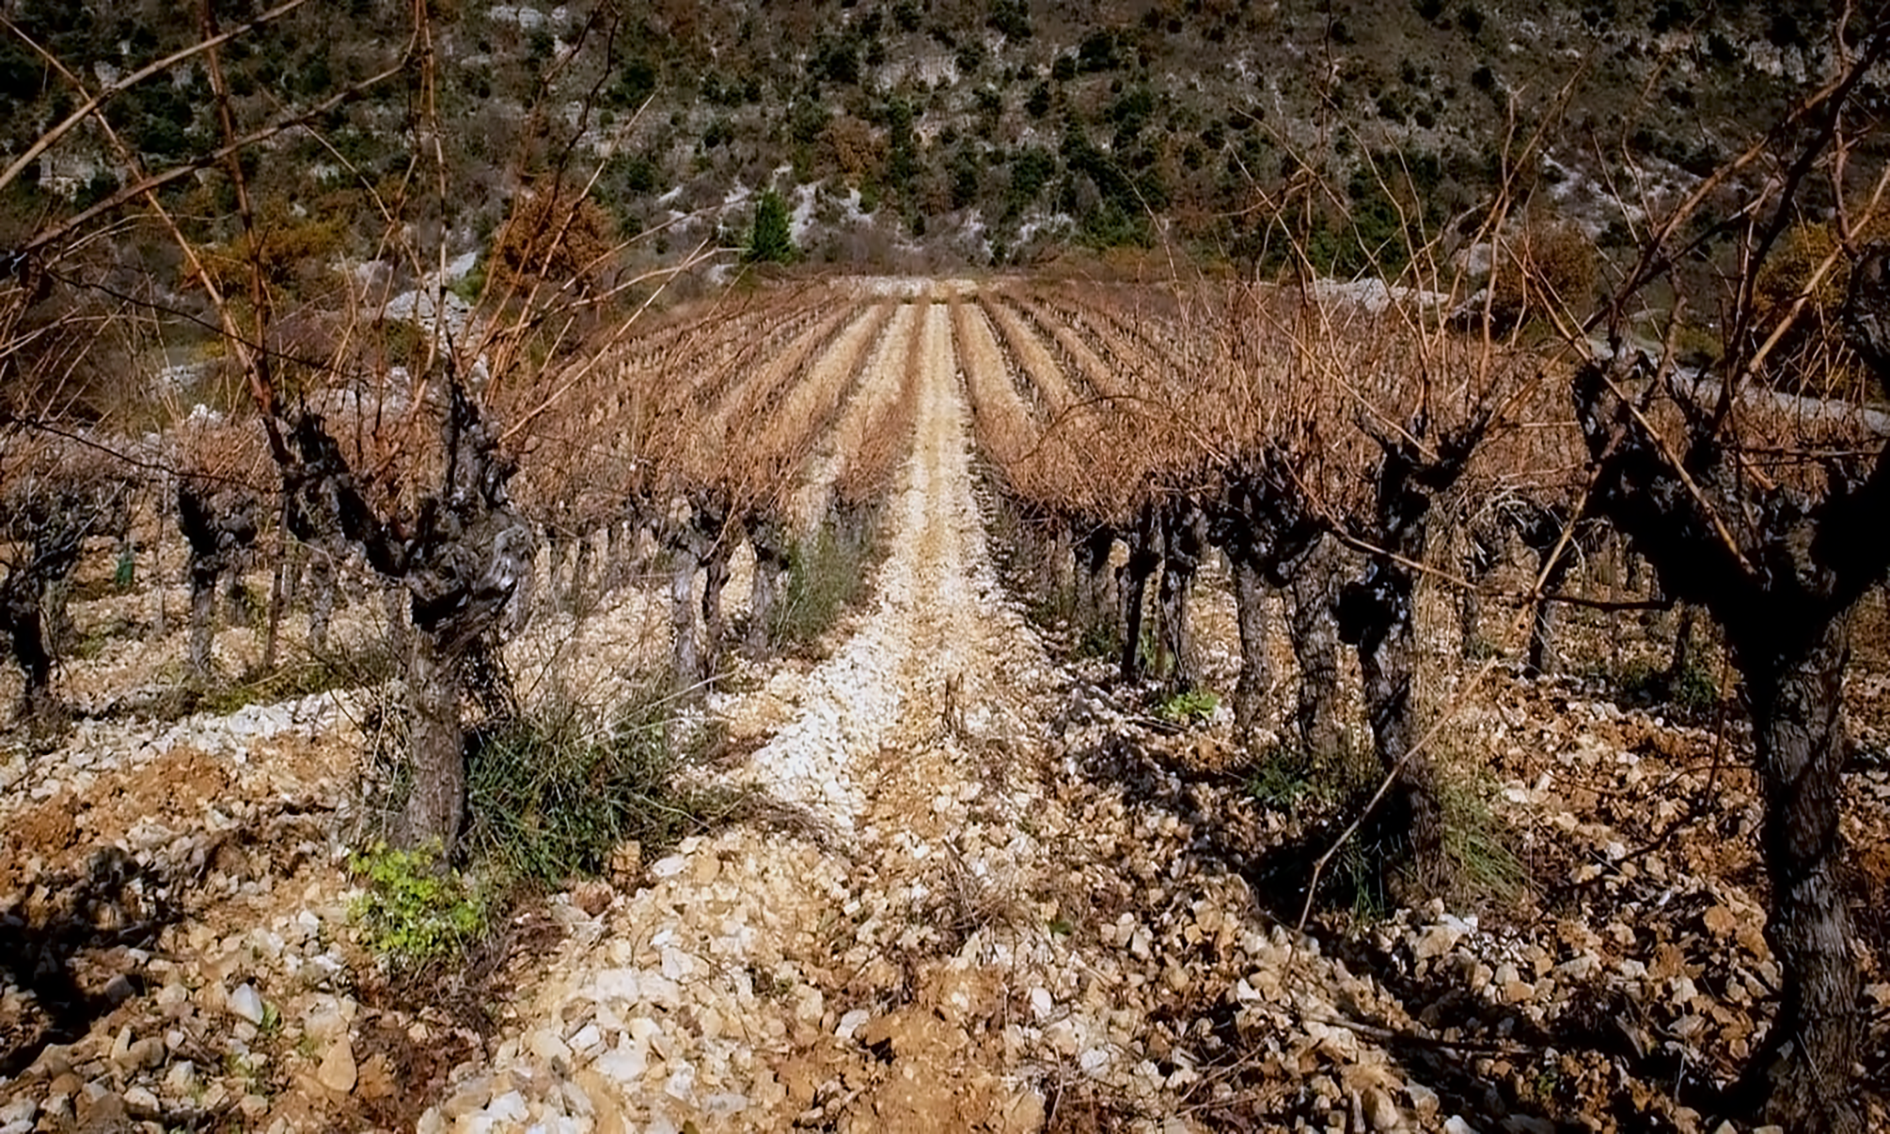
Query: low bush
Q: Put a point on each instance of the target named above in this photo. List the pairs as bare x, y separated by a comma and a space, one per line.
1694, 689
1196, 706
1363, 876
550, 795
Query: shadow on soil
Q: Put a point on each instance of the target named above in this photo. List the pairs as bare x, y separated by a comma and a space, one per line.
1278, 874
113, 904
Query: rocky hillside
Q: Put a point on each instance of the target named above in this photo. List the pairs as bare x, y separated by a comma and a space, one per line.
930, 132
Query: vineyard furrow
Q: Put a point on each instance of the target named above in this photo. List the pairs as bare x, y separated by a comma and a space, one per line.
1056, 388
889, 751
1002, 417
878, 387
775, 363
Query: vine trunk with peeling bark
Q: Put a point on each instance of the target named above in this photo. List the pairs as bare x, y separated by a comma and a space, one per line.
1782, 583
1376, 617
459, 557
221, 523
1263, 523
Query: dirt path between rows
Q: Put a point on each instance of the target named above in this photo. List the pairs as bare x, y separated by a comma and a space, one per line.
763, 979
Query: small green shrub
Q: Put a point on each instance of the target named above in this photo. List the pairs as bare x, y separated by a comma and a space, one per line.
1694, 689
1286, 775
1280, 782
414, 913
472, 285
1195, 706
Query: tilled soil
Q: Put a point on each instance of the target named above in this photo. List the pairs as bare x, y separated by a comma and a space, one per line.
992, 894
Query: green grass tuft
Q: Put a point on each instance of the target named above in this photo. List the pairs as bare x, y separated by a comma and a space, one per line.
550, 795
1476, 844
827, 575
293, 680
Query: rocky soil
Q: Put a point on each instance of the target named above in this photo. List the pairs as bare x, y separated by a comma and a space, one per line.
992, 892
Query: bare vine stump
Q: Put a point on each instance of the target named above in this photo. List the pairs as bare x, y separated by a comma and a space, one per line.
1480, 558
1184, 540
714, 621
1802, 1073
1314, 630
578, 588
322, 584
1682, 655
685, 659
1375, 616
220, 522
203, 612
1056, 561
1250, 613
236, 604
1094, 602
19, 605
523, 604
1131, 586
435, 806
768, 537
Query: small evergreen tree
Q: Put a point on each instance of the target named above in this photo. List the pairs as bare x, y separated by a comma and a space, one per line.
771, 242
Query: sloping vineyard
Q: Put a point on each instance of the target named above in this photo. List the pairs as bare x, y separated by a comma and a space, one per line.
948, 582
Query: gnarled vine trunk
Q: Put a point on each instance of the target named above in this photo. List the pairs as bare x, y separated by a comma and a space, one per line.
1375, 617
435, 807
1542, 659
1131, 585
19, 606
695, 541
1095, 605
767, 536
1184, 539
1543, 533
322, 582
1801, 1077
219, 522
1788, 629
1481, 554
1313, 626
458, 561
1272, 539
715, 570
1250, 614
685, 658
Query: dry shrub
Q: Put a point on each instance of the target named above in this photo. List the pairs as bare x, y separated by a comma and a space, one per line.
290, 251
1548, 267
1787, 272
854, 146
1810, 357
552, 235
